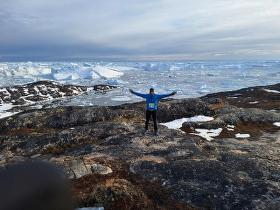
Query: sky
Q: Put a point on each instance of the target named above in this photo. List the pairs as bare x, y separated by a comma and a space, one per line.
140, 29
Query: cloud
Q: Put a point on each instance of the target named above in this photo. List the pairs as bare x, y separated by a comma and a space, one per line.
202, 29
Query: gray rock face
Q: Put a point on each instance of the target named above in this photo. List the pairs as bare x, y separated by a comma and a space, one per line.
111, 162
79, 169
62, 117
100, 169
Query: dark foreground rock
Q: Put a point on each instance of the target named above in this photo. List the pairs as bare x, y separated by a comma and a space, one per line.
111, 163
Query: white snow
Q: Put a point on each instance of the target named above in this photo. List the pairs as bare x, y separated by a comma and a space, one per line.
5, 107
37, 106
271, 91
26, 91
4, 110
13, 89
242, 135
121, 98
7, 114
176, 124
232, 97
277, 124
253, 102
208, 134
230, 127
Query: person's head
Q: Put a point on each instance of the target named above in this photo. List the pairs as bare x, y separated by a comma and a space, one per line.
152, 91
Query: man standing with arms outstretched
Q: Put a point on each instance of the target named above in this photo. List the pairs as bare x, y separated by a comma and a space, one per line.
152, 100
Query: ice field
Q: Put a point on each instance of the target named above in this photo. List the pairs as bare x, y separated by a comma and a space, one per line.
189, 79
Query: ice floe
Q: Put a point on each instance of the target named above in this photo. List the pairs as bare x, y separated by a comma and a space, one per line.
176, 124
121, 98
208, 134
242, 135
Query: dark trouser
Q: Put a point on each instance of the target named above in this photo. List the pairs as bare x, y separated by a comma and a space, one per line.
152, 113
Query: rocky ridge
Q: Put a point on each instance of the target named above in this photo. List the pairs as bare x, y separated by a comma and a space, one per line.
44, 90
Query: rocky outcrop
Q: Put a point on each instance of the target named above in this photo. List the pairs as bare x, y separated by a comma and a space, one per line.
63, 117
263, 97
111, 163
44, 90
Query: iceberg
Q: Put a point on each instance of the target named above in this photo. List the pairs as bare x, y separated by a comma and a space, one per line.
90, 73
106, 72
65, 76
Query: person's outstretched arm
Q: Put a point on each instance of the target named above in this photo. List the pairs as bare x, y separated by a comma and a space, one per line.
138, 94
166, 95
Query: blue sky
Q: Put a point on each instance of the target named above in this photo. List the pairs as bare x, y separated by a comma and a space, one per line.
140, 29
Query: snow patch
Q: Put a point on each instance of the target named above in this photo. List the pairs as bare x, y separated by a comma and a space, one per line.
4, 110
7, 114
242, 135
277, 124
91, 208
208, 134
5, 107
253, 102
271, 91
230, 127
176, 124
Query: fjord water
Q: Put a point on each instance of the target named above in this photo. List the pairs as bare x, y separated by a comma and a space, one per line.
190, 79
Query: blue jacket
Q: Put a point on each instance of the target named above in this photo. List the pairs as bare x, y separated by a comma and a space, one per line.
152, 99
